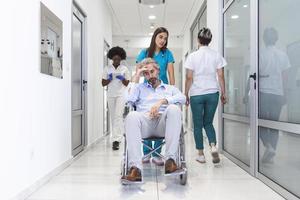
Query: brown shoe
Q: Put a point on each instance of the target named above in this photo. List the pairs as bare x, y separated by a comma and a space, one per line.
170, 166
134, 175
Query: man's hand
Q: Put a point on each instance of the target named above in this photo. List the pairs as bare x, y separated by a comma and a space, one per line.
154, 111
120, 77
140, 69
138, 73
110, 77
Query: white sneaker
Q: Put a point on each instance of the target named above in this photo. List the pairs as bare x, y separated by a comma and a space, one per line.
215, 154
201, 159
213, 149
146, 159
158, 161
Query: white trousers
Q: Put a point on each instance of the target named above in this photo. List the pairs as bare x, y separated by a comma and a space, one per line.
116, 109
139, 125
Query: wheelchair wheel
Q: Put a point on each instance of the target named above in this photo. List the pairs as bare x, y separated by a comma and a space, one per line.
183, 177
123, 168
124, 163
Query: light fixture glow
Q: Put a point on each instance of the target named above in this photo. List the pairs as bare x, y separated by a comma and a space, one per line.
151, 6
245, 6
150, 34
152, 17
234, 17
152, 26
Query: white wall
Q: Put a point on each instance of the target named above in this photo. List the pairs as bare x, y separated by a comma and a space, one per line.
99, 28
36, 108
36, 112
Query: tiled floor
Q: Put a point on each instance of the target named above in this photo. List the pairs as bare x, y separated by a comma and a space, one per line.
96, 175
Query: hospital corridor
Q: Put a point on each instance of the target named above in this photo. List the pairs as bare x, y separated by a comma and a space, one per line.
150, 99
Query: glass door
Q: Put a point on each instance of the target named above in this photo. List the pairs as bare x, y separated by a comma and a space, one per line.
236, 113
261, 122
278, 96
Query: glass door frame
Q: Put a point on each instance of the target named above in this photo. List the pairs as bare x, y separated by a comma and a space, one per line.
106, 114
283, 126
255, 122
253, 93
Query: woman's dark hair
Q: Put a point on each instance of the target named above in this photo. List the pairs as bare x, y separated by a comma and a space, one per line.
204, 36
151, 49
117, 51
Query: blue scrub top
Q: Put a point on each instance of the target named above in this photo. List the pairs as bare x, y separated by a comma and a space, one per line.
163, 58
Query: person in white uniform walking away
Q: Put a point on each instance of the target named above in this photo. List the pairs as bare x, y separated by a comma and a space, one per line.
202, 91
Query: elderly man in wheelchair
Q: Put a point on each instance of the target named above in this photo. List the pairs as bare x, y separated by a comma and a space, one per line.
157, 115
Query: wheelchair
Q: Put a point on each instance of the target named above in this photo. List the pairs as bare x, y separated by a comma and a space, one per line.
180, 158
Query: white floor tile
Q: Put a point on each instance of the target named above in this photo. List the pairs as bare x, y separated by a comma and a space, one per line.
96, 175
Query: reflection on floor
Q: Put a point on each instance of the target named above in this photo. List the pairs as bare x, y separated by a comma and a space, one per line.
284, 167
95, 176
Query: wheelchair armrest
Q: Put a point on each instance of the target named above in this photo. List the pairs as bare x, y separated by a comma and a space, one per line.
131, 106
128, 108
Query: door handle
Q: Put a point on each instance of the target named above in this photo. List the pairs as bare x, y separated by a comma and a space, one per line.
84, 82
253, 76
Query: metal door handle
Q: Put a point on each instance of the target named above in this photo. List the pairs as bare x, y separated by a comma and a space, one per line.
84, 81
253, 76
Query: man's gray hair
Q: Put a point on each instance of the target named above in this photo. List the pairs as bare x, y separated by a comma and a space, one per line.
147, 61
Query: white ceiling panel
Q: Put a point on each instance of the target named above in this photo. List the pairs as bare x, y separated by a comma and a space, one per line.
131, 18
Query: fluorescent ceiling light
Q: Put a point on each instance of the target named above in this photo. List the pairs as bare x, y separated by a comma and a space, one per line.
245, 6
152, 2
151, 6
152, 17
234, 16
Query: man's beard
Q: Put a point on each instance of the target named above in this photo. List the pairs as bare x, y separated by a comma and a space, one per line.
152, 81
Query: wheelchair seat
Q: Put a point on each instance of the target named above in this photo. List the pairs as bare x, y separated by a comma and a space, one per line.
154, 138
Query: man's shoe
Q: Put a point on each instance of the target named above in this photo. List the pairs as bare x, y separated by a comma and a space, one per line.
158, 161
215, 155
146, 159
170, 166
115, 145
134, 175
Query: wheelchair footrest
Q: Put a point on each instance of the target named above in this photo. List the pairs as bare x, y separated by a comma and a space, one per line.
177, 172
127, 182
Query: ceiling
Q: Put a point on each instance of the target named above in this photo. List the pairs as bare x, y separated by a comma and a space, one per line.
130, 18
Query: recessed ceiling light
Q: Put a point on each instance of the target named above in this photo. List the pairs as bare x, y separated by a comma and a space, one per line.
152, 17
151, 6
234, 16
245, 6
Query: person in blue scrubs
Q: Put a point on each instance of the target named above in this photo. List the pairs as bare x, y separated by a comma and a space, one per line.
163, 56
